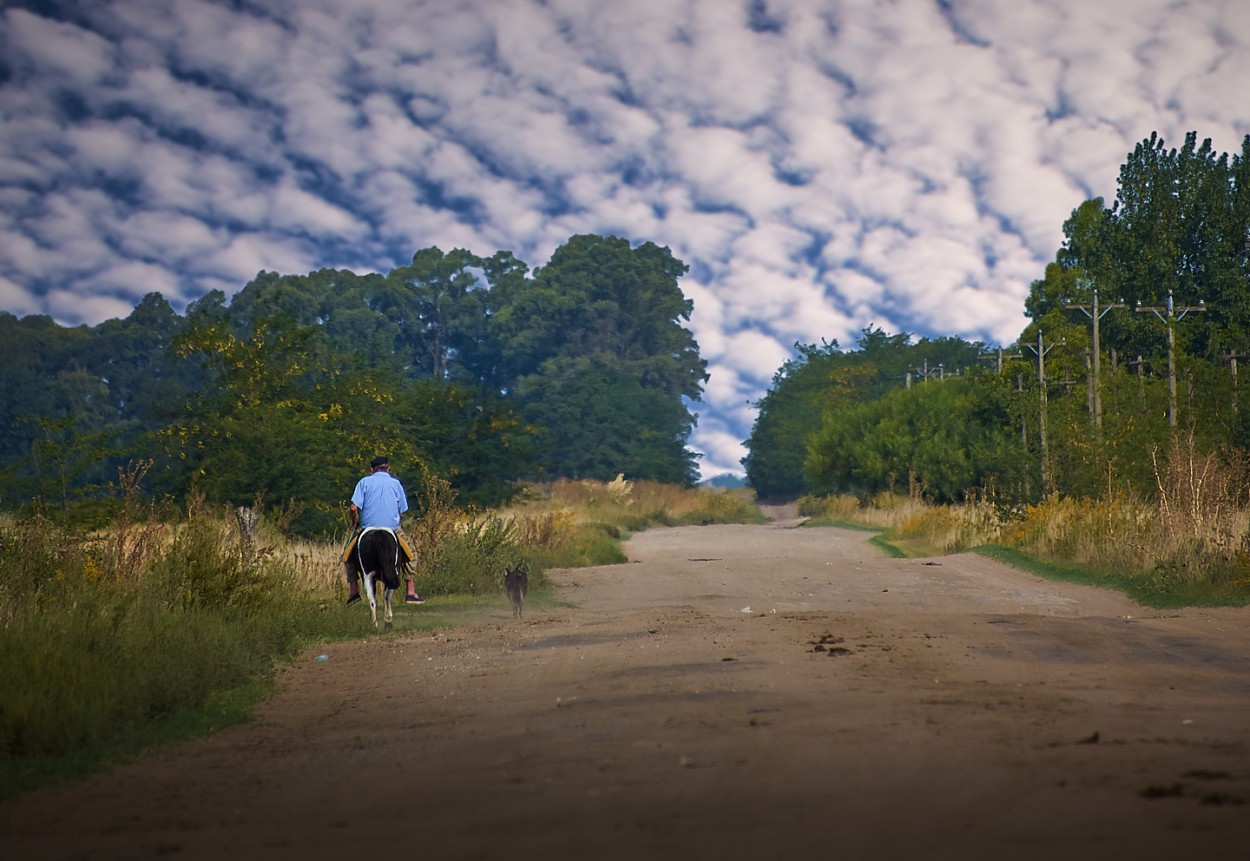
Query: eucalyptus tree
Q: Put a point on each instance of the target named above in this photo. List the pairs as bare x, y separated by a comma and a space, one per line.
1179, 227
603, 319
438, 304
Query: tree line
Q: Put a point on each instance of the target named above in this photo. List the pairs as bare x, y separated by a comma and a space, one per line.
1134, 335
475, 370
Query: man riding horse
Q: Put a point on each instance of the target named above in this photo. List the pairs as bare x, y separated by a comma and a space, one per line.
378, 501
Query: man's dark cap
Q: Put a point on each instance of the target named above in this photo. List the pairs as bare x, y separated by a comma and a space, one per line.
379, 461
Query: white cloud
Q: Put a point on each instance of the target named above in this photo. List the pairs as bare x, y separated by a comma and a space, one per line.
17, 300
55, 48
134, 280
164, 235
292, 208
247, 254
71, 303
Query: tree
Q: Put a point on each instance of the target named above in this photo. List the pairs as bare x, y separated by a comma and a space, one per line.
1179, 230
448, 364
596, 419
952, 438
262, 427
439, 310
789, 413
595, 335
1176, 233
823, 382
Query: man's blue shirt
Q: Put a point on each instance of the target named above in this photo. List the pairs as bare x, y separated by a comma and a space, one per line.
381, 499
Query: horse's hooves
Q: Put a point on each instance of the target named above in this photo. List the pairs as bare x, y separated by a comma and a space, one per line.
389, 625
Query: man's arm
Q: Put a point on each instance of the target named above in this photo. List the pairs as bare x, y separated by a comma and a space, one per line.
354, 515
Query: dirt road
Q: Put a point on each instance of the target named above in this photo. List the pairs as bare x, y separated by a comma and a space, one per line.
732, 692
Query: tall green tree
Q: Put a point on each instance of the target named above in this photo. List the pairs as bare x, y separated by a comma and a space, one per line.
262, 426
790, 412
440, 310
596, 419
597, 334
1177, 231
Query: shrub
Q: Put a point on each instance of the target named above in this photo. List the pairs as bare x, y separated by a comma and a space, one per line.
96, 647
470, 557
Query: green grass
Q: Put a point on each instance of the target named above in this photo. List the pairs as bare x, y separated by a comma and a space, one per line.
840, 523
1151, 589
891, 550
220, 710
163, 686
91, 686
98, 749
101, 667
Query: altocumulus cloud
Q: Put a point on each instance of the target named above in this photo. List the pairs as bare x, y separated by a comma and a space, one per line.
821, 165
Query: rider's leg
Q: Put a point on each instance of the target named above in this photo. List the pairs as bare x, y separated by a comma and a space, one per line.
350, 568
353, 579
407, 558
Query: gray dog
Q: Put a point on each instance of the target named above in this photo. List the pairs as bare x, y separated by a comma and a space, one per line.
516, 583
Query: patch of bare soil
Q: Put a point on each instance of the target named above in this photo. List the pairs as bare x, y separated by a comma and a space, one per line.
733, 692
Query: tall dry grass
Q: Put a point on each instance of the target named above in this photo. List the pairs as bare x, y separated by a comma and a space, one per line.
636, 505
105, 634
881, 511
559, 524
1191, 540
570, 523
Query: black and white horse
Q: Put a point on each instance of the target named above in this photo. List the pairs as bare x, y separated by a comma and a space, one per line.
377, 554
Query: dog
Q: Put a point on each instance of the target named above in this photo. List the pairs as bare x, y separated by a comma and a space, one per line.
516, 583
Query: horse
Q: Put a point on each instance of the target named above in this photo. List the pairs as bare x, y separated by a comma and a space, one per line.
377, 553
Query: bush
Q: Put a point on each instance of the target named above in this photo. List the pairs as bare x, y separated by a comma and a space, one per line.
95, 648
470, 557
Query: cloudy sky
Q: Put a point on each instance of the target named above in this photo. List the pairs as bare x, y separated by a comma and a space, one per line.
821, 165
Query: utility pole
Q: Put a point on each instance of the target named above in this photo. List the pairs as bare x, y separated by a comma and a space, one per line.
1171, 315
1095, 315
1141, 380
925, 372
995, 356
1041, 351
1232, 357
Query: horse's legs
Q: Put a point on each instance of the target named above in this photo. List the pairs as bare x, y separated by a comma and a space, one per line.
371, 594
390, 615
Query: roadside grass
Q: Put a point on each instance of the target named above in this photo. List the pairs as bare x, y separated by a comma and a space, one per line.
840, 523
167, 625
890, 550
1137, 588
220, 710
1185, 549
